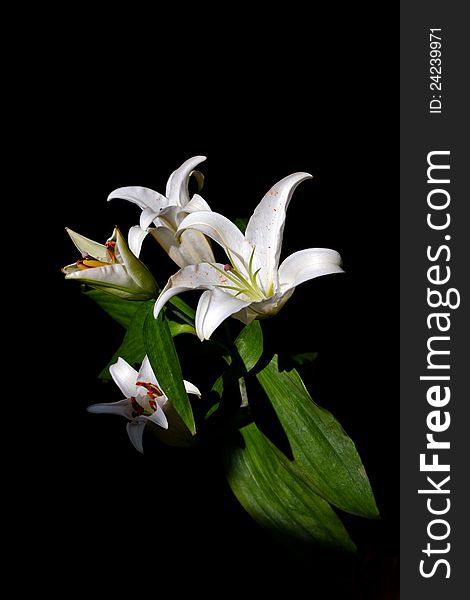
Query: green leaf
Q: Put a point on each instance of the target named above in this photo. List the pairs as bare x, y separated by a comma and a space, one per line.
248, 348
179, 328
164, 360
249, 344
279, 498
132, 348
241, 223
218, 386
120, 310
212, 410
183, 307
319, 444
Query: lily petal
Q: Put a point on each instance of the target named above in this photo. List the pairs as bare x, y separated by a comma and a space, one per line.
165, 237
170, 217
191, 249
147, 216
135, 238
122, 408
214, 307
142, 196
146, 373
222, 231
159, 418
266, 227
115, 275
177, 190
202, 276
88, 247
308, 264
135, 431
266, 308
195, 248
125, 377
196, 203
69, 269
114, 280
191, 388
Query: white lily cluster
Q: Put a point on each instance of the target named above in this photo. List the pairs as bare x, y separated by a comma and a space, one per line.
252, 284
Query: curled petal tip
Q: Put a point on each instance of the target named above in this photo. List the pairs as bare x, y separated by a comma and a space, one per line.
301, 176
157, 309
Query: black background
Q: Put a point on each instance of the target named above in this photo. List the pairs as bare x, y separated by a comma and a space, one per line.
261, 98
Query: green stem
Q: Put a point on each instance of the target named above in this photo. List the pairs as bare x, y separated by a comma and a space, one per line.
182, 316
183, 307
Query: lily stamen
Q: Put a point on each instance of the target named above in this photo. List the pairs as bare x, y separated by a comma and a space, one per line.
138, 410
241, 285
110, 246
152, 389
89, 263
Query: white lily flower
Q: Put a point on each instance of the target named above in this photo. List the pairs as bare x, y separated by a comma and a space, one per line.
111, 267
144, 400
252, 285
166, 212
